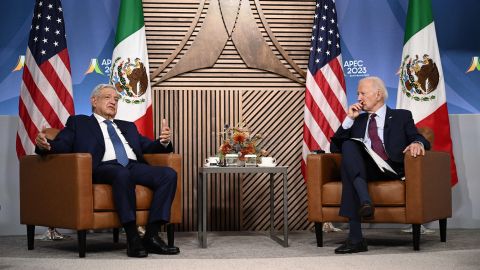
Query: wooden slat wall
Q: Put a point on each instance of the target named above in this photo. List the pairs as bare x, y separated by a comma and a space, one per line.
278, 116
198, 103
196, 118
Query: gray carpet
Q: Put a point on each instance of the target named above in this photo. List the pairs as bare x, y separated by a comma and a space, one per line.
388, 249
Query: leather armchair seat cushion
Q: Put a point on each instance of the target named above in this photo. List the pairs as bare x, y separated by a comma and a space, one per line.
383, 193
103, 197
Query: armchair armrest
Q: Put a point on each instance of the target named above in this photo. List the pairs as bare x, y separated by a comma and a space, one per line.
321, 168
428, 188
56, 191
173, 161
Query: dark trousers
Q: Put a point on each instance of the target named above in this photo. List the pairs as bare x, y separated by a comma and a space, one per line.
356, 163
161, 180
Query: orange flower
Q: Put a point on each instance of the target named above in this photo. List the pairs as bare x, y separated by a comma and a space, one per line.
239, 137
248, 149
225, 148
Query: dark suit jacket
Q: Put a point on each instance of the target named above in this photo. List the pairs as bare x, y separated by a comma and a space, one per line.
399, 132
82, 134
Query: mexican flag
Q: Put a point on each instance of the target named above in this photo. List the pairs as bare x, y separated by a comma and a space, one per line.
130, 69
421, 86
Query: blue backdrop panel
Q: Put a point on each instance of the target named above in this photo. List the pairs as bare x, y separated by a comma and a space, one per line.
90, 26
372, 40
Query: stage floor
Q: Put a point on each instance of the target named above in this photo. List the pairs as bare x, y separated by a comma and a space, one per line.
461, 251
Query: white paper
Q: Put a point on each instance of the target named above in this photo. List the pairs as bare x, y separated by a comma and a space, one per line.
382, 164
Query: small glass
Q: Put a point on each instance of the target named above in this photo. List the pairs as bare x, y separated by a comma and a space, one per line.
231, 160
250, 160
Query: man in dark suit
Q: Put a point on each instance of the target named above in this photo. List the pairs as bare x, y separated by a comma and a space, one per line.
390, 133
117, 150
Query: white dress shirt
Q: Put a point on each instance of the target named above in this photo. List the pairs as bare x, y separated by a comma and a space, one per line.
109, 151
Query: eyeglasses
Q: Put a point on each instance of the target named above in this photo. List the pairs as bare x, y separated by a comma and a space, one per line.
109, 97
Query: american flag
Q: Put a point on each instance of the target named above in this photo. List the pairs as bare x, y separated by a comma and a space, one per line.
325, 94
46, 96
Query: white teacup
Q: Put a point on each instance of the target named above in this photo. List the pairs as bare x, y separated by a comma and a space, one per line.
268, 161
212, 161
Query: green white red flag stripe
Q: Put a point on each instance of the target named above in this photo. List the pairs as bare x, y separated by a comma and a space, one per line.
421, 86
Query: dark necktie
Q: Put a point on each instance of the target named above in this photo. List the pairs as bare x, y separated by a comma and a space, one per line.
120, 152
377, 145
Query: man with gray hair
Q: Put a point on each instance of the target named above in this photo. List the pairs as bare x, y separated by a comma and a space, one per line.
390, 133
117, 150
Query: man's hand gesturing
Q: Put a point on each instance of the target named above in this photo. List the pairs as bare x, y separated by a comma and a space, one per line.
165, 133
41, 140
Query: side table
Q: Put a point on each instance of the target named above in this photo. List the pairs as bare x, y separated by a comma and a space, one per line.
203, 173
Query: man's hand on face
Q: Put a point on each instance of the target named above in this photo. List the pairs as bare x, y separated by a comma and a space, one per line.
165, 132
354, 110
416, 149
41, 140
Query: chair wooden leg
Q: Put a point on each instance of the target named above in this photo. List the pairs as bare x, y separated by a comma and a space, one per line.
170, 235
443, 229
319, 233
416, 236
116, 233
30, 236
82, 243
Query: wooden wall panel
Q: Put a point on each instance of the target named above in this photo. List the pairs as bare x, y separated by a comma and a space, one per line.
278, 116
196, 119
205, 92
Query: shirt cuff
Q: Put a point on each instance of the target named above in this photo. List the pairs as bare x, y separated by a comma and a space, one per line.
165, 144
347, 123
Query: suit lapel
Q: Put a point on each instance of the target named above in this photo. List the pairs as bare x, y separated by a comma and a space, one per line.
97, 132
363, 124
386, 127
125, 132
123, 129
129, 136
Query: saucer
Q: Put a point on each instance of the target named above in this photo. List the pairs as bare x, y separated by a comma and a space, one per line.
269, 165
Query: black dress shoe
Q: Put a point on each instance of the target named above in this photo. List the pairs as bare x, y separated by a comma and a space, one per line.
366, 211
155, 244
135, 248
349, 247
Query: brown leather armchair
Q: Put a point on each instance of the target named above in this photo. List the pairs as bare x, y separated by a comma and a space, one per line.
424, 196
57, 191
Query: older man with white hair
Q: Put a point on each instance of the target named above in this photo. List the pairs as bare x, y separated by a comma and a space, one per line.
390, 133
117, 150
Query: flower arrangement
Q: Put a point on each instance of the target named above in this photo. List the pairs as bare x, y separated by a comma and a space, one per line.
239, 139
